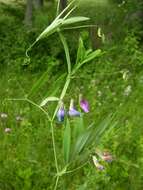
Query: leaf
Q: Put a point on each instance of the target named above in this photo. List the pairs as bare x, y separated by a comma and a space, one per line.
49, 99
82, 140
103, 127
67, 141
50, 29
80, 52
88, 57
78, 127
38, 84
92, 55
54, 87
73, 20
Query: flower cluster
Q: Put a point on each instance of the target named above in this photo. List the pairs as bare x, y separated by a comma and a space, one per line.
4, 117
72, 112
104, 156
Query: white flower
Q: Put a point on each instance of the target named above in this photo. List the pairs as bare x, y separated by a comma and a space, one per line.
7, 130
127, 90
3, 115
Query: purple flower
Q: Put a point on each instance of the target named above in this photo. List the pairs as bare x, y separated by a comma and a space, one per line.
83, 104
72, 111
61, 113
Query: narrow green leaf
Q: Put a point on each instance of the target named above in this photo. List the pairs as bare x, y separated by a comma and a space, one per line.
66, 8
92, 56
82, 140
38, 84
67, 141
78, 127
54, 87
49, 99
50, 29
102, 128
81, 51
89, 57
73, 20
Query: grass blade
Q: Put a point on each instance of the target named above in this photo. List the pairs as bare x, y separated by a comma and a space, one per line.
38, 84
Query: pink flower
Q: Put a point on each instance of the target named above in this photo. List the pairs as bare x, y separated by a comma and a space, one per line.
83, 104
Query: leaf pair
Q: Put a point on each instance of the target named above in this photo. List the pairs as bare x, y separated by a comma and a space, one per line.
84, 56
60, 22
79, 138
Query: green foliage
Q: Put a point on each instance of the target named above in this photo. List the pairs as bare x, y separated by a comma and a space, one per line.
113, 83
67, 141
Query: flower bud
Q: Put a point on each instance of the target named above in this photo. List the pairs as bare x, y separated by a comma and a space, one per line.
61, 113
83, 104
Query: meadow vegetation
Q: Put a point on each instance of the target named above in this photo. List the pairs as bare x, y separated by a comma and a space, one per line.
111, 81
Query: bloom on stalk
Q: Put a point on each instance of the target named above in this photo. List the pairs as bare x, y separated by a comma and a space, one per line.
106, 156
61, 112
96, 163
83, 104
72, 111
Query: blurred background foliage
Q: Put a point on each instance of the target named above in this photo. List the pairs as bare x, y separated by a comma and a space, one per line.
111, 83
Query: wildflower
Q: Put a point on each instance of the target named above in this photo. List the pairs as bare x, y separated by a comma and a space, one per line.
3, 115
61, 112
19, 118
96, 163
106, 156
84, 104
72, 110
7, 130
128, 90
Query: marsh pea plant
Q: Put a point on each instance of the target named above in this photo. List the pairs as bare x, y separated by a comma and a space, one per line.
77, 138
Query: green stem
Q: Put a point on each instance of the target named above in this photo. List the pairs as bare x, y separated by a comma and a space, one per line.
56, 184
62, 95
58, 8
33, 103
54, 147
68, 79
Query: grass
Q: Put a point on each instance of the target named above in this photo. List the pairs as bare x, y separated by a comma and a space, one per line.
27, 160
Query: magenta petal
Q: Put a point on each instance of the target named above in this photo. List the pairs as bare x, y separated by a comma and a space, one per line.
84, 105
